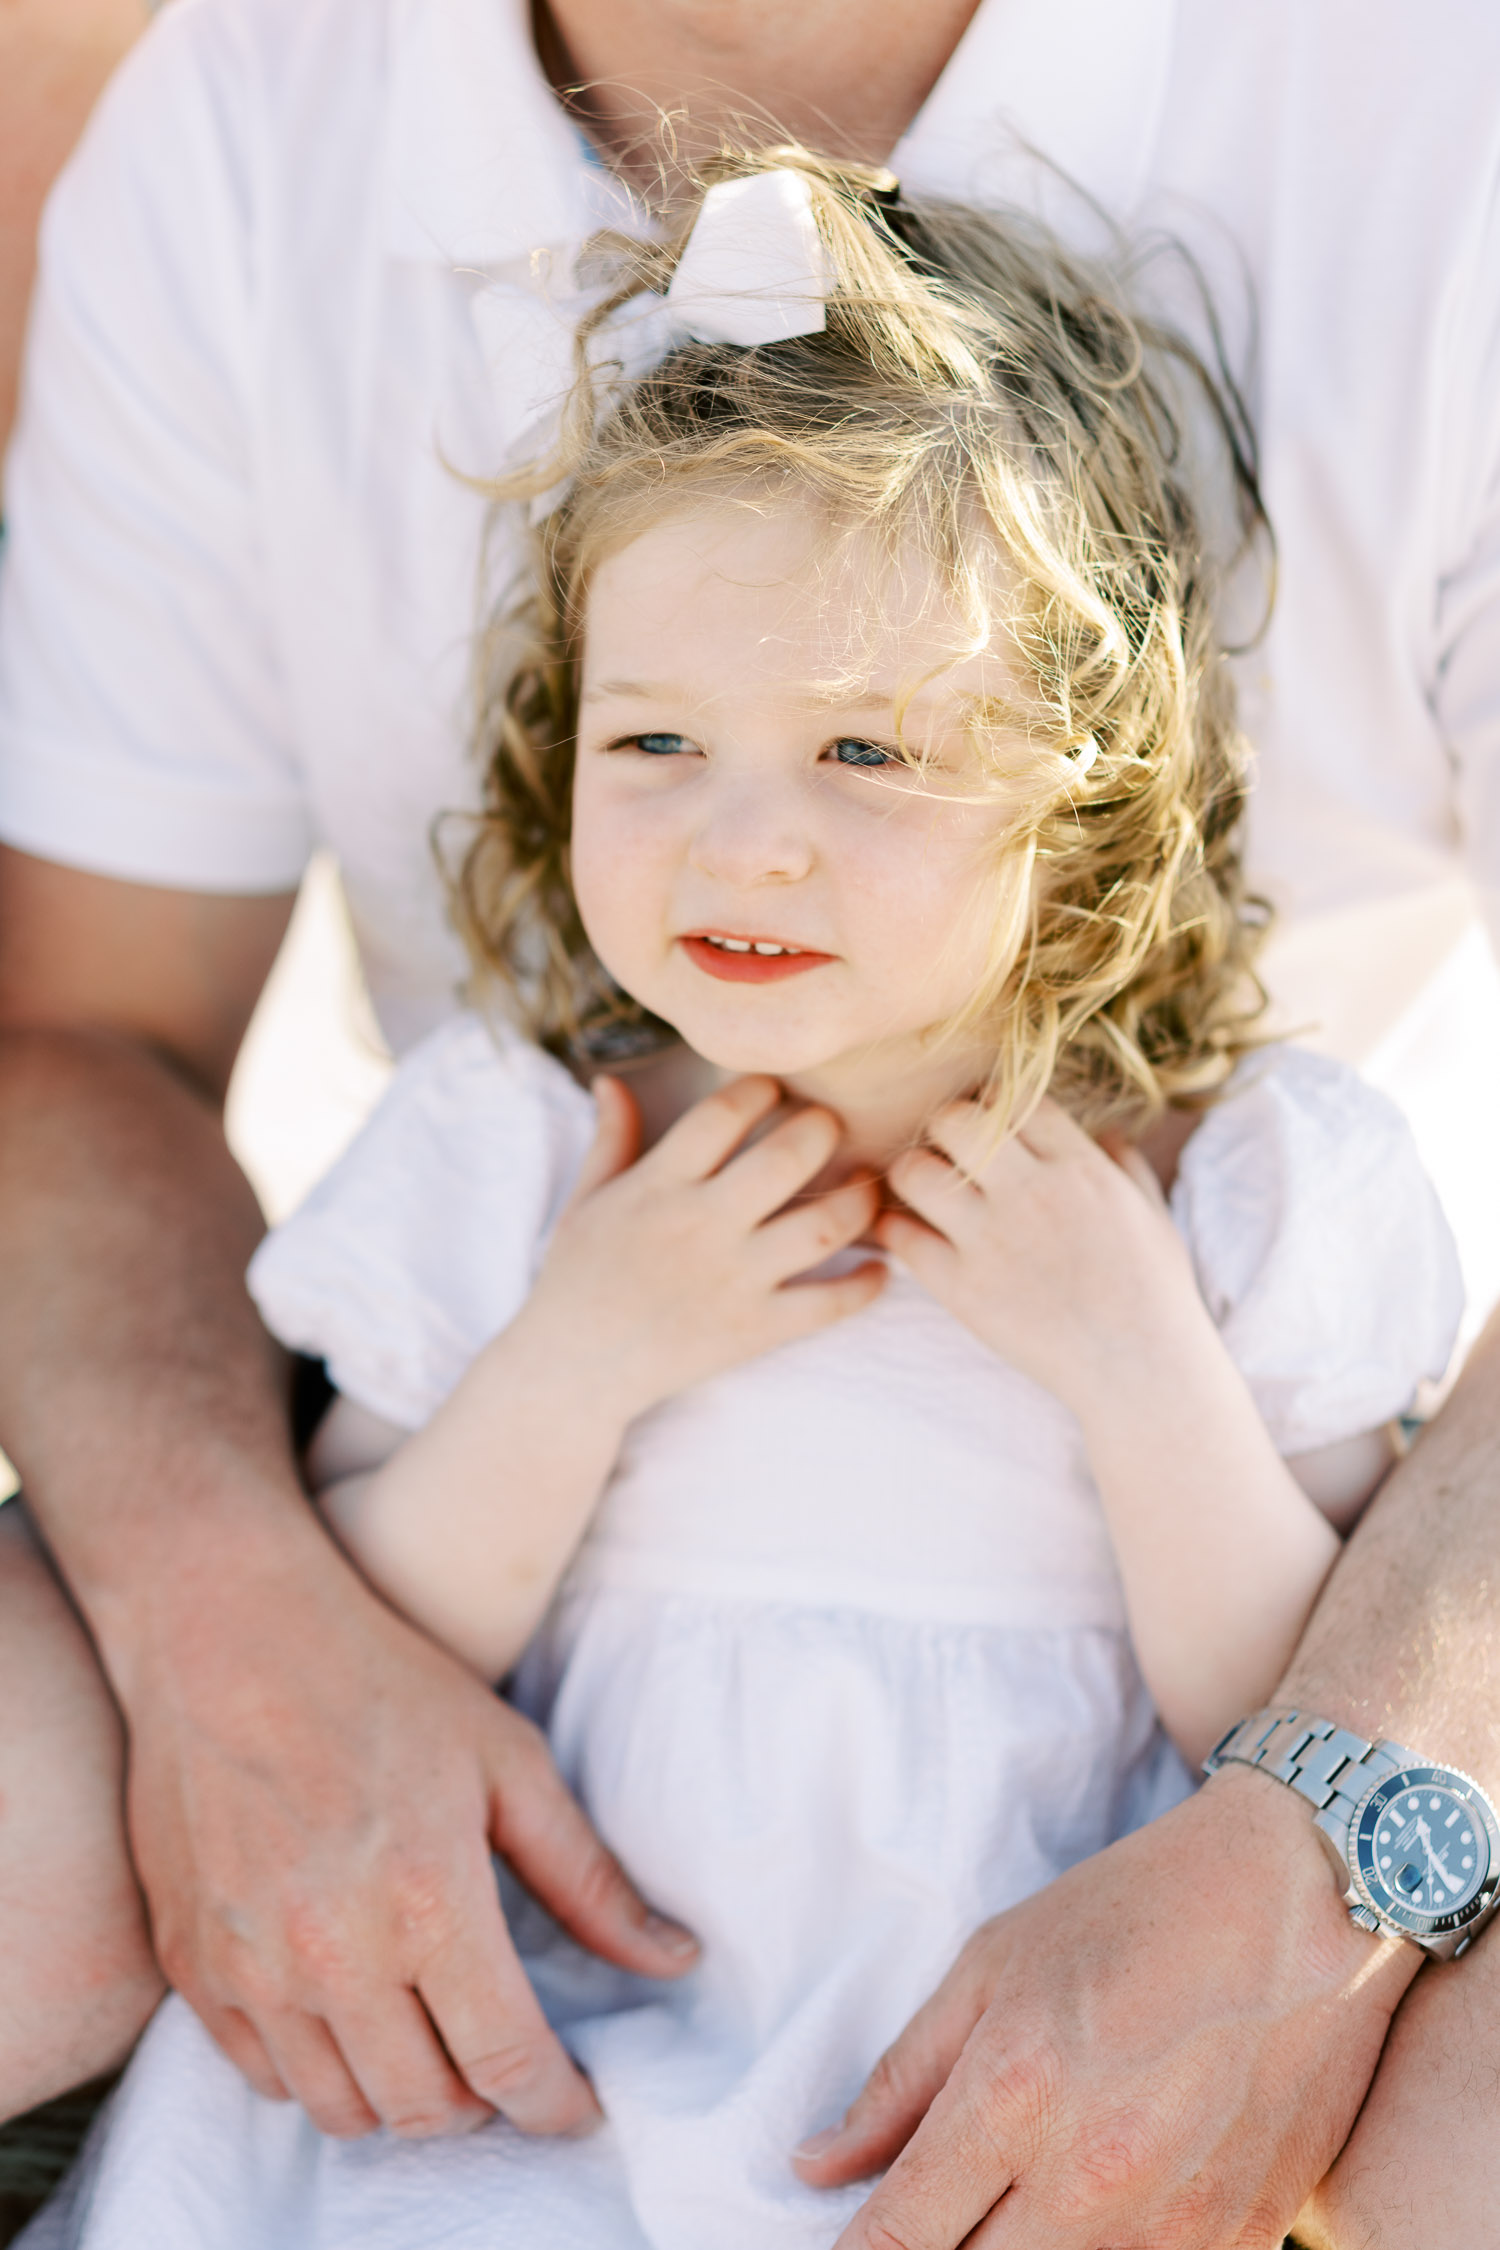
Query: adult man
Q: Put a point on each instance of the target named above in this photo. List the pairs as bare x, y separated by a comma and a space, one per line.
289, 284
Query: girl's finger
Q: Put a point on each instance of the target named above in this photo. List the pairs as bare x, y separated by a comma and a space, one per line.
708, 1134
810, 1232
1052, 1135
927, 1255
936, 1191
959, 1130
1136, 1168
803, 1307
965, 1132
617, 1138
764, 1178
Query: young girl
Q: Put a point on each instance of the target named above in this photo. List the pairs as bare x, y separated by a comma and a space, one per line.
879, 1489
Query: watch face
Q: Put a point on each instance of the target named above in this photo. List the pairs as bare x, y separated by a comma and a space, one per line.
1425, 1850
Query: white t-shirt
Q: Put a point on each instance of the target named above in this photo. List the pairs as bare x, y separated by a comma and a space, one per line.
287, 290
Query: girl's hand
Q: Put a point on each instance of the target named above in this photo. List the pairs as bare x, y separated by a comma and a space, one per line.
670, 1269
1059, 1256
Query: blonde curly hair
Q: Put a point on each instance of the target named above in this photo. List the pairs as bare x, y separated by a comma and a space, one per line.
987, 398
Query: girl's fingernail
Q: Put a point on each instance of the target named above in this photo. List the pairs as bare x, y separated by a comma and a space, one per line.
670, 1936
816, 2143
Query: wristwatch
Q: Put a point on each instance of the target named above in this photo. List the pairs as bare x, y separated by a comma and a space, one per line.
1416, 1847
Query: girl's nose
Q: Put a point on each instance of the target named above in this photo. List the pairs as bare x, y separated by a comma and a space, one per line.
751, 832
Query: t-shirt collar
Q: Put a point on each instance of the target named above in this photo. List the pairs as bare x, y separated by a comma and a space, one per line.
484, 165
1078, 83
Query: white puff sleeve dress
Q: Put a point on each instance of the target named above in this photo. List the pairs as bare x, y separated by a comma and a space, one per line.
840, 1669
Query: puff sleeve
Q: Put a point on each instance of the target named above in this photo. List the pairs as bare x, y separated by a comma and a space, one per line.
1320, 1247
423, 1241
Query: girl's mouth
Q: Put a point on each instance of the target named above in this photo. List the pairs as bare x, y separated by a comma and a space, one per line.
740, 960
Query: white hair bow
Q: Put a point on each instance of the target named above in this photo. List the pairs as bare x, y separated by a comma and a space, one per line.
753, 270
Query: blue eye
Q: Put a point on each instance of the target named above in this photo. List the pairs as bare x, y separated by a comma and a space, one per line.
660, 745
850, 750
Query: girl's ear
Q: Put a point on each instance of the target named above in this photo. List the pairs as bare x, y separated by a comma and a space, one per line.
617, 1137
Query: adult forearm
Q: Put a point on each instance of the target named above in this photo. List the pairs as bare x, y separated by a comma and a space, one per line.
1404, 1643
139, 1395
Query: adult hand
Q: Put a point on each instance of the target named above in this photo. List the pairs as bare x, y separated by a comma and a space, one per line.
1167, 2047
314, 1791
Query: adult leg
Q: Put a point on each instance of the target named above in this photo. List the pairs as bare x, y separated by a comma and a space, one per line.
1422, 2165
77, 1975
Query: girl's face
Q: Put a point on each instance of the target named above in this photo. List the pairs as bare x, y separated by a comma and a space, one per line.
751, 859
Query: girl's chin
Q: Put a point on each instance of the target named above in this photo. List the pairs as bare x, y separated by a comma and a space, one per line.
729, 1040
750, 1050
755, 1058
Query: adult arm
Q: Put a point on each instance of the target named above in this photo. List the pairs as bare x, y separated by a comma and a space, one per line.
1422, 2164
314, 1788
1171, 2044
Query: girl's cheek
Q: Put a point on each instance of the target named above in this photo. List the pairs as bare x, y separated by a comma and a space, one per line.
618, 881
593, 864
917, 871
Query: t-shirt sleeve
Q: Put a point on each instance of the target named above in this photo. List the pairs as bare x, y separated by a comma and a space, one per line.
1320, 1248
423, 1241
143, 727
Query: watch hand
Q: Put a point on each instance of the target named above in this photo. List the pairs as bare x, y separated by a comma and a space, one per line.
1438, 1859
1453, 1882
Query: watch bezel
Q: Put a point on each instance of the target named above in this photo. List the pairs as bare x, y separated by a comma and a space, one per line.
1394, 1913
